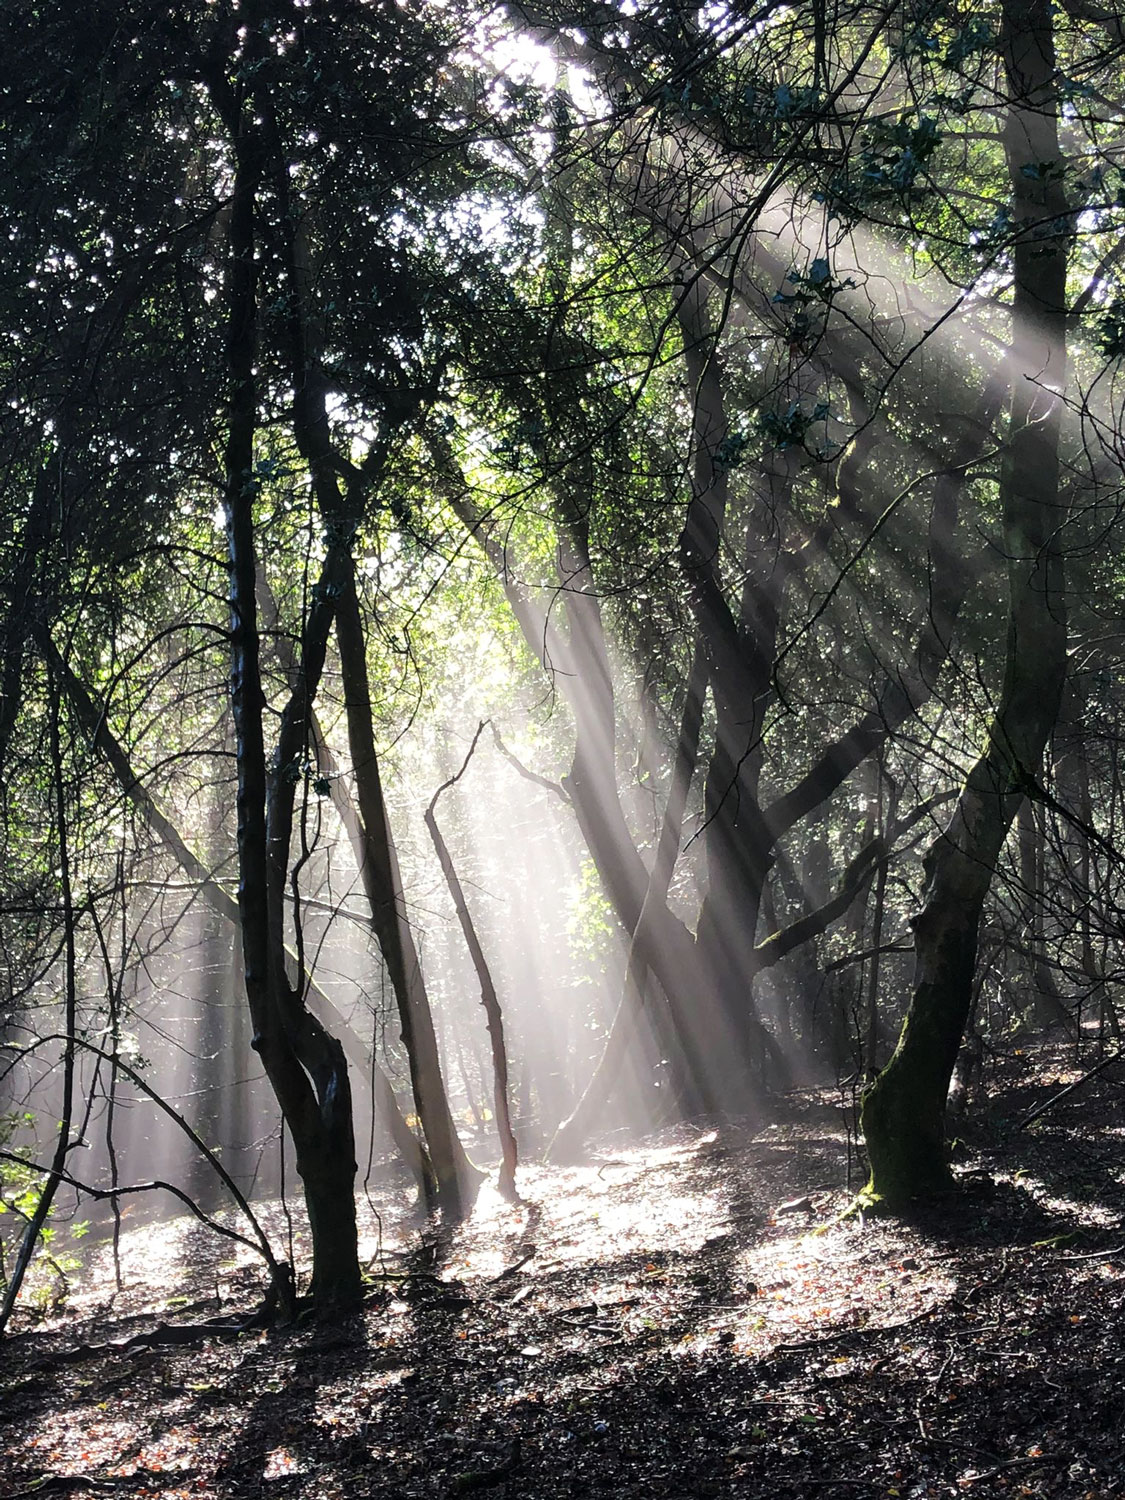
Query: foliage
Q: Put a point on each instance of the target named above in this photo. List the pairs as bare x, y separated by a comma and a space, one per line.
625, 330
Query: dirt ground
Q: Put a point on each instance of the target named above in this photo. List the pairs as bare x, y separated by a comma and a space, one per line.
682, 1317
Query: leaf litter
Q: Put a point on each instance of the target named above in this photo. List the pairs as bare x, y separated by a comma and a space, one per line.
685, 1316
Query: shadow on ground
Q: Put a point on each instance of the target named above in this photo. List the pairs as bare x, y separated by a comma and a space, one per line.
665, 1322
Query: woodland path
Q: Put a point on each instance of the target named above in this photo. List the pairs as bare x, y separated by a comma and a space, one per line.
653, 1325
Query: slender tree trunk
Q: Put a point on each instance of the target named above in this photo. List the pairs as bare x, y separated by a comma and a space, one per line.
1087, 894
494, 1016
457, 1178
1093, 961
846, 1018
1050, 1010
871, 1004
573, 1133
903, 1112
114, 984
63, 1143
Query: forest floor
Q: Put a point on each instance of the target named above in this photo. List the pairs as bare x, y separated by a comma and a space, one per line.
668, 1321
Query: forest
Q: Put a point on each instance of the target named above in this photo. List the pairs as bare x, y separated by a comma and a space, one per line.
562, 847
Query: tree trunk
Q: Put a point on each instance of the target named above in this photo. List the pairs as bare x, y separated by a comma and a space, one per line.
903, 1112
739, 655
457, 1178
1049, 1009
574, 1131
94, 721
305, 1065
871, 1003
494, 1016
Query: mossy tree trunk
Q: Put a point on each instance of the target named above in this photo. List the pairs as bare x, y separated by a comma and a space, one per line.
903, 1112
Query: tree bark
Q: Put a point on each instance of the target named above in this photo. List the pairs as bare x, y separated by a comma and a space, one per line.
305, 1065
903, 1112
494, 1016
457, 1178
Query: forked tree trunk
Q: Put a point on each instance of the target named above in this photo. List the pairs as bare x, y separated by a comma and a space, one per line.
903, 1112
94, 720
335, 602
412, 1150
305, 1065
739, 655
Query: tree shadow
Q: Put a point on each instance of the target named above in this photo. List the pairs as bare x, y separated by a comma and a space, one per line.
664, 1364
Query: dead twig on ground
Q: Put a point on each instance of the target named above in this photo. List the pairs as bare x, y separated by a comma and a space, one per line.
1041, 1109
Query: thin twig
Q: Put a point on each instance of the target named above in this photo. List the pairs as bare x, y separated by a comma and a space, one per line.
518, 765
1014, 1463
1041, 1109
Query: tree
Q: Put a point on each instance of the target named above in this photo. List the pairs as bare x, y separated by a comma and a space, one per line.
798, 504
903, 1111
727, 374
234, 97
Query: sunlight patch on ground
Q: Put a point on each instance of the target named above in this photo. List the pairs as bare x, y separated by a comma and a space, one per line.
281, 1462
1070, 1210
674, 1287
167, 1264
75, 1442
636, 1219
634, 1203
820, 1284
161, 1265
